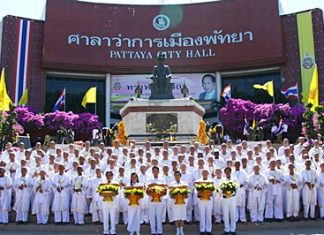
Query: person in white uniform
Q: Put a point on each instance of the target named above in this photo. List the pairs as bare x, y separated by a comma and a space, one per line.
156, 209
309, 190
320, 190
5, 196
109, 208
293, 182
179, 212
257, 184
23, 187
205, 206
134, 212
61, 204
79, 205
41, 205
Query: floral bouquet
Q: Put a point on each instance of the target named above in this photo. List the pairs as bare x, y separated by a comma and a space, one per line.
156, 191
179, 194
205, 190
229, 188
133, 194
107, 191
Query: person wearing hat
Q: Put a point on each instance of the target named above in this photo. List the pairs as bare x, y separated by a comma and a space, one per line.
240, 176
320, 189
61, 184
205, 206
5, 200
293, 183
257, 184
79, 205
229, 205
95, 207
274, 197
309, 190
23, 189
42, 189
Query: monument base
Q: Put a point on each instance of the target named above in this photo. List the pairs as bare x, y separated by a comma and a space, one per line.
156, 120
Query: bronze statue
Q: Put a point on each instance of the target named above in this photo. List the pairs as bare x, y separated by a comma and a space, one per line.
161, 86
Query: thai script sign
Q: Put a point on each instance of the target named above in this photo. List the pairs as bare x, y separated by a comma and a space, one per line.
205, 36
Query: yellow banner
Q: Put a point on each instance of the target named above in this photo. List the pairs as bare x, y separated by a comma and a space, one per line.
306, 51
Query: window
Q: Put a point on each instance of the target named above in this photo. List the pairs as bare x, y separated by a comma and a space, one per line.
76, 87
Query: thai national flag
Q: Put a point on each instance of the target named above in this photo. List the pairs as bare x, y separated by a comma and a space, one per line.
60, 101
291, 91
227, 93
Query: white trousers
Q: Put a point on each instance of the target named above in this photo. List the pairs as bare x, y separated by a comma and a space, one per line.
273, 210
61, 216
257, 207
109, 220
205, 212
78, 217
309, 209
134, 219
4, 217
229, 212
97, 216
155, 215
22, 216
292, 202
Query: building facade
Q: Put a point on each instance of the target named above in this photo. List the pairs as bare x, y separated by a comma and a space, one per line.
114, 47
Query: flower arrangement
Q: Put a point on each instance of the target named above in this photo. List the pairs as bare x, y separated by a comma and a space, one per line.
179, 194
236, 110
179, 191
134, 191
121, 133
134, 194
156, 192
205, 186
109, 188
229, 188
202, 135
205, 190
35, 123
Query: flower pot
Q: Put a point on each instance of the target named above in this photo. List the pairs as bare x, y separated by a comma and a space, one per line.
133, 200
228, 194
205, 195
179, 199
107, 196
156, 197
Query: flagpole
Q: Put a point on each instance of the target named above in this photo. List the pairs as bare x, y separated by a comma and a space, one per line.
274, 100
64, 98
96, 102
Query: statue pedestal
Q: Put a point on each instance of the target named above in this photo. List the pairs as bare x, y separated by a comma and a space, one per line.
151, 119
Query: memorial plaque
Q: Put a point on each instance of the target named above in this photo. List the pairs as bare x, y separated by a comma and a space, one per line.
161, 122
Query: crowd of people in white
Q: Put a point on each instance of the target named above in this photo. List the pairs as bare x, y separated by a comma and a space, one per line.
273, 184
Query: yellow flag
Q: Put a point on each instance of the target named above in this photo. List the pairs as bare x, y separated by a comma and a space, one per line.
90, 97
313, 90
267, 87
254, 124
24, 98
5, 100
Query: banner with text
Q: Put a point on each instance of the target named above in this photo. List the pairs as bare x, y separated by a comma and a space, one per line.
128, 38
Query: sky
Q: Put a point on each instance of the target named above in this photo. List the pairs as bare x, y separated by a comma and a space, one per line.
35, 9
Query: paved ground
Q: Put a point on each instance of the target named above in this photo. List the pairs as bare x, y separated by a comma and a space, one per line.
285, 228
